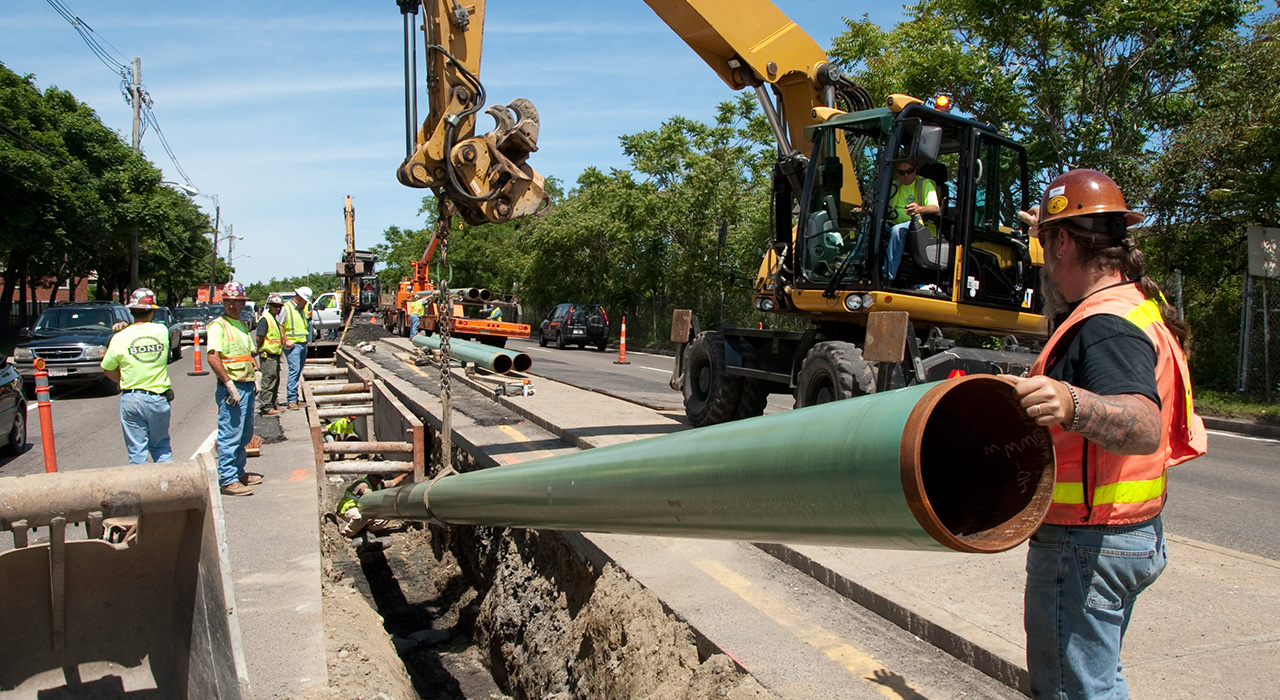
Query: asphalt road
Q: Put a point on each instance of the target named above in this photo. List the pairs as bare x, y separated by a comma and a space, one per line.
86, 424
1227, 498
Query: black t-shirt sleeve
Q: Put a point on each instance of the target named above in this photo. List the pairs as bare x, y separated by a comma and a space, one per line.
262, 328
1109, 356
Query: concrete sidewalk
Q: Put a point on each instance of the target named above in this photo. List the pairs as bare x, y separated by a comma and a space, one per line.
273, 545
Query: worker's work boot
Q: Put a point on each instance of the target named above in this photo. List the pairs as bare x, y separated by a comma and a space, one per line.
251, 479
236, 488
293, 406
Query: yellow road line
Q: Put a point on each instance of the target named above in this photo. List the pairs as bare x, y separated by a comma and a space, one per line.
524, 440
856, 662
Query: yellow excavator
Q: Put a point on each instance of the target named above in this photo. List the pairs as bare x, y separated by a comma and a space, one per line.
970, 269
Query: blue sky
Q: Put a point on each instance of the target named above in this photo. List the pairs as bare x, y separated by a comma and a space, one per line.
283, 109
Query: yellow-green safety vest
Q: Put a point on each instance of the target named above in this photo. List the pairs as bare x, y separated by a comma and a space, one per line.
297, 324
234, 347
274, 342
349, 498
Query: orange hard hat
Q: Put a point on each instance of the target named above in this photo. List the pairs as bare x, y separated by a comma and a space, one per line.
1084, 192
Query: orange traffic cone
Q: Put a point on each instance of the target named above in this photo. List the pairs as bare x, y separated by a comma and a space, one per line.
622, 345
46, 417
199, 368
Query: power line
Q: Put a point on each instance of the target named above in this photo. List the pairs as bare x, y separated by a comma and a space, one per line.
112, 58
153, 121
93, 41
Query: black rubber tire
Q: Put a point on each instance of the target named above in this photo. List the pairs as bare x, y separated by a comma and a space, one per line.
602, 345
175, 353
559, 340
582, 345
710, 396
542, 340
833, 370
755, 392
17, 434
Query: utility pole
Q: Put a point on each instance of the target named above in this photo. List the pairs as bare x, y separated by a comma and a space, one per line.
135, 92
213, 266
231, 242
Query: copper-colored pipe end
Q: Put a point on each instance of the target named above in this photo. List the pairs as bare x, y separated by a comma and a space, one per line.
977, 471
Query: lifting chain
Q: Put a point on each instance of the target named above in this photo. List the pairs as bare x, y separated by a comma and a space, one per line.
445, 327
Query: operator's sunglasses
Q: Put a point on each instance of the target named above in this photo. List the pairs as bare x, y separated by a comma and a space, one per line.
906, 171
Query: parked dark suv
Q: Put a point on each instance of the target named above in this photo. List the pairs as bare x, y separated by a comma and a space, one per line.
165, 317
72, 340
582, 324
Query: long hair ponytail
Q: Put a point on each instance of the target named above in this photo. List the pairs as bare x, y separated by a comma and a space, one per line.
1116, 247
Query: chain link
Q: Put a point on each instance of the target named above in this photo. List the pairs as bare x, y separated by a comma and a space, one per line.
445, 326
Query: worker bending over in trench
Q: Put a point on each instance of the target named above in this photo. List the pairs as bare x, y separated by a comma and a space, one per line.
1113, 388
350, 522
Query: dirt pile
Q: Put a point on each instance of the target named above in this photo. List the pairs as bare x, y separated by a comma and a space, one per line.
364, 331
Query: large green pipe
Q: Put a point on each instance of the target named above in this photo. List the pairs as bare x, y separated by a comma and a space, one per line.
499, 360
954, 464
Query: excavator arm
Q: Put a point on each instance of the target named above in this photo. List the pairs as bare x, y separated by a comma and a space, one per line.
485, 177
751, 44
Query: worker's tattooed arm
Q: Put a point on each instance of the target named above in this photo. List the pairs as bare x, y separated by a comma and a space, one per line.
1122, 424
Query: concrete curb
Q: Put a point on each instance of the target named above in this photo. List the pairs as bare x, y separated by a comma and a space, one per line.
1243, 427
970, 644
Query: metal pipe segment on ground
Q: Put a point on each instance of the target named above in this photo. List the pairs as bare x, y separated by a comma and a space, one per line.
949, 465
499, 360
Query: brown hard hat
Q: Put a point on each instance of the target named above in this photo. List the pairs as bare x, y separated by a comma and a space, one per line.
1084, 192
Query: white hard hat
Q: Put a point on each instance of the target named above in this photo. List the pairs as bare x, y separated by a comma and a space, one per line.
304, 292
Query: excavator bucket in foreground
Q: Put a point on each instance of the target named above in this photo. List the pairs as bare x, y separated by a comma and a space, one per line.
141, 614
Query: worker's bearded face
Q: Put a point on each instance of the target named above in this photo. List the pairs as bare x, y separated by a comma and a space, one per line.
1054, 303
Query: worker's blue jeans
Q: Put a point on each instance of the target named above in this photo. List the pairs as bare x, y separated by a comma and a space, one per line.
235, 430
414, 320
297, 358
893, 252
1081, 586
145, 418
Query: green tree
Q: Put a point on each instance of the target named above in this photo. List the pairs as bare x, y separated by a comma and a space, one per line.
1216, 176
1080, 84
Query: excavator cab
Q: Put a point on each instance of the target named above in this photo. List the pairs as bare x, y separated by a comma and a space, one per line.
973, 252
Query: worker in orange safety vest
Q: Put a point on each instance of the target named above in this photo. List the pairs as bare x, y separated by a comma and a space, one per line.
1113, 388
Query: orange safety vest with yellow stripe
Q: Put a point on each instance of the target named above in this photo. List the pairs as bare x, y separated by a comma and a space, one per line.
273, 344
1095, 487
236, 351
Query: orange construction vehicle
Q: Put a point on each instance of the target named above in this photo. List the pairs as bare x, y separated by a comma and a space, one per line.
470, 308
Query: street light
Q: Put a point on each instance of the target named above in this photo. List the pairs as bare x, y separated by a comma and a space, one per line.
186, 189
217, 221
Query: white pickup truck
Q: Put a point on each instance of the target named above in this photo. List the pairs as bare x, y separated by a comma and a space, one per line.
325, 314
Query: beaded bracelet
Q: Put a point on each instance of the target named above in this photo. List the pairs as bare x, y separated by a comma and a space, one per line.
1075, 409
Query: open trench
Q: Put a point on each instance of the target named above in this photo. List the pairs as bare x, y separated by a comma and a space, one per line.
481, 612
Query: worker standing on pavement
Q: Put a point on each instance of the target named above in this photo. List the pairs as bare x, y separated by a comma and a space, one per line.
415, 315
231, 358
137, 359
270, 349
295, 320
1112, 386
